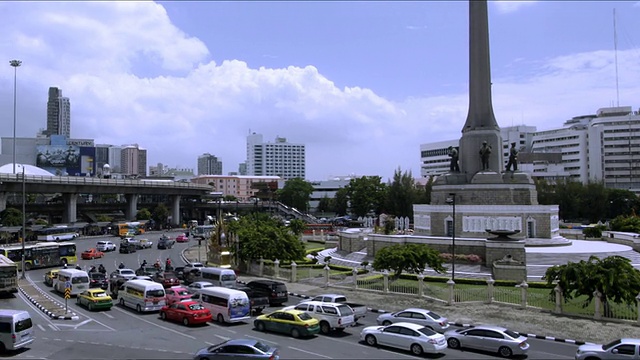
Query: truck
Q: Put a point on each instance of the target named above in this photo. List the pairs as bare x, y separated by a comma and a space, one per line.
332, 316
359, 310
258, 302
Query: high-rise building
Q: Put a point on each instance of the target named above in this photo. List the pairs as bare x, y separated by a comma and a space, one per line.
115, 159
209, 165
279, 158
58, 114
133, 160
242, 168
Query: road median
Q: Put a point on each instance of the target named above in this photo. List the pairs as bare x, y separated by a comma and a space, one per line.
44, 302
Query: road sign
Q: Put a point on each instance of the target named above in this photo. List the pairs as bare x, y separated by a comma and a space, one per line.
67, 293
67, 284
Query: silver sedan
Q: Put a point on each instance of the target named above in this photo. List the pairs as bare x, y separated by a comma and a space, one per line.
416, 316
617, 349
488, 338
407, 336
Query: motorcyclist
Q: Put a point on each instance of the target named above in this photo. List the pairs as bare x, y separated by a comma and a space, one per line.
92, 270
121, 266
144, 263
78, 267
102, 269
65, 265
168, 264
157, 264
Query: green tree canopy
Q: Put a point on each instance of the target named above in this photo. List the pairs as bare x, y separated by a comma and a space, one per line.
296, 193
160, 214
614, 277
143, 214
262, 236
341, 201
629, 223
366, 193
11, 217
325, 205
401, 194
413, 258
297, 226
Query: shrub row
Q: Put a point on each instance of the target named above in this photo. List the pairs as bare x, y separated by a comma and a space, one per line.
435, 279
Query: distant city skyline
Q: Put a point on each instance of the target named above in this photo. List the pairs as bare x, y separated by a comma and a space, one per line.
361, 84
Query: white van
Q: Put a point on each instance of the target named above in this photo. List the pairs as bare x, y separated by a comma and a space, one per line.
142, 295
218, 276
16, 330
226, 305
79, 280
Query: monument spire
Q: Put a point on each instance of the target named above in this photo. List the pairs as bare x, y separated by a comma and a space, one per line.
480, 129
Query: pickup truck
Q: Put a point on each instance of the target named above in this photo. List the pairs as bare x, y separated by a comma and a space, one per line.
258, 301
359, 310
332, 316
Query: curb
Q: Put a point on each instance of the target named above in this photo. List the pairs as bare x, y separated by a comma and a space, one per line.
71, 316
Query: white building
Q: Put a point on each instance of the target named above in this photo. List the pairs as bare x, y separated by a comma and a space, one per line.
280, 158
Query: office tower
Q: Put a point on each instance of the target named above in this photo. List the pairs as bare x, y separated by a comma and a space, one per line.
58, 114
209, 165
115, 159
279, 158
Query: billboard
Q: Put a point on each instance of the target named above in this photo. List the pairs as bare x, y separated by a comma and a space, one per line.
58, 156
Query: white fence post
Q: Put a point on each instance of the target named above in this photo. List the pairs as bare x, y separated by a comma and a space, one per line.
385, 281
276, 269
294, 272
598, 305
261, 268
326, 275
490, 289
451, 285
558, 291
523, 293
421, 284
638, 302
355, 277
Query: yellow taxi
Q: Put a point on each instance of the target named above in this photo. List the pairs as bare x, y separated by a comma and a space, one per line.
50, 276
95, 299
294, 322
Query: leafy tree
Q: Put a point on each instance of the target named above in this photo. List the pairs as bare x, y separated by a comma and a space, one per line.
296, 193
41, 222
614, 277
546, 192
160, 214
629, 223
423, 192
324, 205
104, 218
261, 236
341, 201
621, 202
568, 197
11, 217
401, 194
297, 226
594, 202
366, 193
143, 214
592, 232
230, 198
413, 258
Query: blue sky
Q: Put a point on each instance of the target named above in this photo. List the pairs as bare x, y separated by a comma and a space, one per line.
363, 84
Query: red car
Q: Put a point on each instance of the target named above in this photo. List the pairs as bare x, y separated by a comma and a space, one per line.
176, 294
167, 279
186, 312
182, 238
91, 254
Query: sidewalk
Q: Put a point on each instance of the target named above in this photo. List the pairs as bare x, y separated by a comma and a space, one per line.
538, 324
54, 308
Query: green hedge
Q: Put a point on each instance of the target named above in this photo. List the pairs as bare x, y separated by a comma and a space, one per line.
437, 279
316, 242
309, 251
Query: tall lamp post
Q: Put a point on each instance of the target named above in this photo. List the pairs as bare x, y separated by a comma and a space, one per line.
15, 64
24, 221
452, 200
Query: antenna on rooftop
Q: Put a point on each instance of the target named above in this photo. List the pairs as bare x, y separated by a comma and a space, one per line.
615, 50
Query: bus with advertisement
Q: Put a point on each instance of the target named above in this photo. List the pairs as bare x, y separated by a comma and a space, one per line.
42, 254
203, 231
8, 275
129, 229
57, 233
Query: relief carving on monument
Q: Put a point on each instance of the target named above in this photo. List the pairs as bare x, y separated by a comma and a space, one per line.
422, 222
481, 223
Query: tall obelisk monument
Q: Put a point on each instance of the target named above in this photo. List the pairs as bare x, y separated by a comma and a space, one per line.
481, 124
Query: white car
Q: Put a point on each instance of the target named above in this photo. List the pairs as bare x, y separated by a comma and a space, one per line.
192, 265
194, 287
406, 336
142, 277
416, 316
617, 349
126, 274
105, 246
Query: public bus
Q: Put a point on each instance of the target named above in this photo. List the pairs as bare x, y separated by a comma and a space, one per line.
129, 228
57, 233
203, 231
40, 255
8, 275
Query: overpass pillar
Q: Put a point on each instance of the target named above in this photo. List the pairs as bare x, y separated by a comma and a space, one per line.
70, 210
3, 200
132, 207
175, 209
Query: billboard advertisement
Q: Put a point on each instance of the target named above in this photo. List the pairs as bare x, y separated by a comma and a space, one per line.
57, 156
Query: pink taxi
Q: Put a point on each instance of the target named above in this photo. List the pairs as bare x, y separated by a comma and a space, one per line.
176, 294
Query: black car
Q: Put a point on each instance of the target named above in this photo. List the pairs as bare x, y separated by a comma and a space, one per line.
179, 272
127, 248
98, 280
257, 300
276, 291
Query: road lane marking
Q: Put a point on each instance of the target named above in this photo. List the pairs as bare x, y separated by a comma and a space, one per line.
370, 347
84, 322
41, 327
309, 352
154, 324
220, 337
53, 327
107, 315
261, 339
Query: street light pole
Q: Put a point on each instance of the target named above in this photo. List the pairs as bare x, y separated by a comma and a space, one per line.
452, 201
15, 64
24, 232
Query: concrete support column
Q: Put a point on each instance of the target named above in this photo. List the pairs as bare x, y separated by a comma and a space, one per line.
132, 206
70, 209
3, 200
175, 209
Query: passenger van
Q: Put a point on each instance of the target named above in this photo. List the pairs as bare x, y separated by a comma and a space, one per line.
142, 295
226, 305
79, 281
218, 276
16, 329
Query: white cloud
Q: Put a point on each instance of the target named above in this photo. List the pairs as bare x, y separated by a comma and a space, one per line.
509, 6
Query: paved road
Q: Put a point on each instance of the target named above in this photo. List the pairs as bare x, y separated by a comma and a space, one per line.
122, 333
